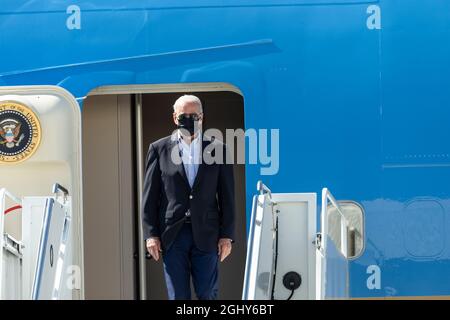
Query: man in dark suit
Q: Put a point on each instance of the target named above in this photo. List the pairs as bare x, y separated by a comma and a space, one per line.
188, 204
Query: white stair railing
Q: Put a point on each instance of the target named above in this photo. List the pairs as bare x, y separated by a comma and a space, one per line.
4, 194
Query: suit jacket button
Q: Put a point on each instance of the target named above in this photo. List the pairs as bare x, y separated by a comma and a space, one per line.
191, 196
188, 213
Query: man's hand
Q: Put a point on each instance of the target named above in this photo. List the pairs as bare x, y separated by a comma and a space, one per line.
224, 247
154, 247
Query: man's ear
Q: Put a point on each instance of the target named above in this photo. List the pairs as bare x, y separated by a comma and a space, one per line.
175, 118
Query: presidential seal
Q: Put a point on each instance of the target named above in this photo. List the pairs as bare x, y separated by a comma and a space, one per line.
20, 132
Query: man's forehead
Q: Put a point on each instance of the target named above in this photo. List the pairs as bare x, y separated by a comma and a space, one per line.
189, 106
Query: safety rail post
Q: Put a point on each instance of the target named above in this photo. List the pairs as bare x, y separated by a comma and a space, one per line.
352, 242
3, 195
327, 196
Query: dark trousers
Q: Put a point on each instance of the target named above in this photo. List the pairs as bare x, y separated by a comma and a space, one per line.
184, 259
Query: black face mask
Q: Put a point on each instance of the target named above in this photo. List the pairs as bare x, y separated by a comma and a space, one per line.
188, 124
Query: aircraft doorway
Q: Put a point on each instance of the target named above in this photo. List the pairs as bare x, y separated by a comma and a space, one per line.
117, 130
222, 110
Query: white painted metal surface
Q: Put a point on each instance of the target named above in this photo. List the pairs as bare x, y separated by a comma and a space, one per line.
57, 159
296, 250
4, 253
19, 259
33, 209
259, 266
52, 260
332, 262
270, 255
11, 268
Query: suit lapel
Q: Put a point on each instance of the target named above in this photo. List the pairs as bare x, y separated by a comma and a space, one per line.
201, 167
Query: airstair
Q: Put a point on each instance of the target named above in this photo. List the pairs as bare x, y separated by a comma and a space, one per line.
35, 267
288, 259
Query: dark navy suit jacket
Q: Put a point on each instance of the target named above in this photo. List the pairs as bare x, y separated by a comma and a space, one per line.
167, 195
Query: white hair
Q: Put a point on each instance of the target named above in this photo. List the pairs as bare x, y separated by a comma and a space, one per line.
185, 99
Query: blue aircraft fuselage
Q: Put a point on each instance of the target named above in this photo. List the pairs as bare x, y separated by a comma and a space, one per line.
358, 89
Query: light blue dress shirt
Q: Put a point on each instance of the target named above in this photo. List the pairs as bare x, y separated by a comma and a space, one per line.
190, 155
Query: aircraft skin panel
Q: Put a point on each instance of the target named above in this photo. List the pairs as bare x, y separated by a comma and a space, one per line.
52, 7
361, 85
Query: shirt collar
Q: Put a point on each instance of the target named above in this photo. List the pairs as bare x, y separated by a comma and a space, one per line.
195, 142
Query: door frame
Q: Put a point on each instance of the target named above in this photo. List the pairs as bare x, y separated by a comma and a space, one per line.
139, 90
77, 189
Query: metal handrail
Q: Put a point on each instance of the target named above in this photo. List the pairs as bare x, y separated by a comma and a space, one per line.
326, 195
3, 194
333, 201
57, 187
262, 188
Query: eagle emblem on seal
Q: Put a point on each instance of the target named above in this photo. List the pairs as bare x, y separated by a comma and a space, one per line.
10, 132
20, 132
